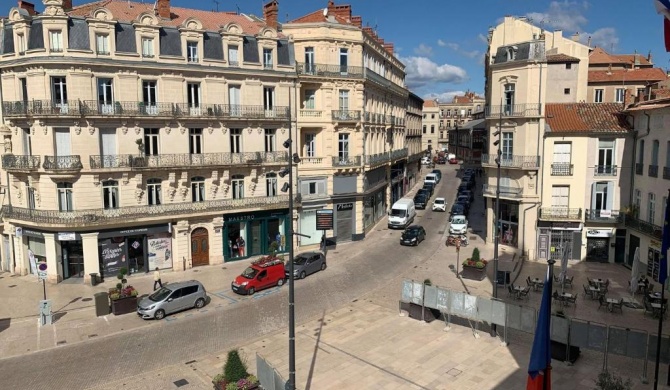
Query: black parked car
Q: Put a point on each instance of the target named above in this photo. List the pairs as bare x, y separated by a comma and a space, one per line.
458, 209
465, 200
430, 187
425, 192
413, 235
420, 201
468, 193
438, 173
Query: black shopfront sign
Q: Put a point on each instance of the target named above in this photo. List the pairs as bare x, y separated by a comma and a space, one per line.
324, 219
345, 206
135, 231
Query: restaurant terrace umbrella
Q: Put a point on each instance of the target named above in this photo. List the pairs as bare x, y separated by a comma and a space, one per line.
634, 271
564, 269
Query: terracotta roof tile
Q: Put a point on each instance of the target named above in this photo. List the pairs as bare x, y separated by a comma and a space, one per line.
430, 103
621, 75
630, 59
560, 58
128, 11
600, 57
586, 118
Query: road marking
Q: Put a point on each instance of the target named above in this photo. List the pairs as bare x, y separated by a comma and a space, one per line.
39, 333
55, 338
222, 295
106, 320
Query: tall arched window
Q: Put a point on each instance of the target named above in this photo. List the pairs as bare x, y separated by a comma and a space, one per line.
271, 184
110, 194
65, 197
198, 189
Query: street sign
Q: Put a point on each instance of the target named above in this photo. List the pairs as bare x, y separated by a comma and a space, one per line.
42, 270
324, 219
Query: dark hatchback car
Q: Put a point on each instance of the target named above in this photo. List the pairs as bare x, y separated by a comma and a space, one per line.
413, 235
438, 173
467, 193
430, 187
420, 202
424, 192
458, 209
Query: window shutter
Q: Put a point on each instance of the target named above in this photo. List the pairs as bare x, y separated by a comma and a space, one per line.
321, 187
576, 245
304, 188
594, 188
610, 195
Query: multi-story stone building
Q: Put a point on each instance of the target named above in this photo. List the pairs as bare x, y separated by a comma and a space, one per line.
352, 102
142, 136
456, 113
650, 159
524, 64
618, 78
430, 125
145, 135
415, 151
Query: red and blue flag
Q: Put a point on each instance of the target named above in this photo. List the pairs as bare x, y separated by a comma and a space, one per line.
539, 368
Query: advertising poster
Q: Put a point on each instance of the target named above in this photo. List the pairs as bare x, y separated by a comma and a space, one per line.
159, 252
113, 254
33, 262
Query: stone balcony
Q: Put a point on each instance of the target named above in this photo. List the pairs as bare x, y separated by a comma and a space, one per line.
346, 161
556, 213
19, 163
329, 71
98, 162
512, 161
505, 192
343, 116
100, 217
606, 216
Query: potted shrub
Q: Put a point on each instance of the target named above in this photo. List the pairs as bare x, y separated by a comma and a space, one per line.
609, 381
235, 375
123, 297
474, 267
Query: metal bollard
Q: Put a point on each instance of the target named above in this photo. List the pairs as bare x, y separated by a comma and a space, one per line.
46, 317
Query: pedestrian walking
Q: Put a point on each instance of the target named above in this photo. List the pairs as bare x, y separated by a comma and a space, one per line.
157, 279
240, 246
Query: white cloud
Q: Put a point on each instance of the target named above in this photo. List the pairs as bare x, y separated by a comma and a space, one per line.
453, 46
423, 50
562, 15
483, 38
441, 43
458, 49
444, 97
603, 37
422, 71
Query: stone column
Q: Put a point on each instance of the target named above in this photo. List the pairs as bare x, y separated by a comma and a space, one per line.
180, 246
89, 243
21, 263
54, 259
216, 242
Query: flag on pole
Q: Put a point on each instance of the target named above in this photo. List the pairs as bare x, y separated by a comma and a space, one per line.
663, 8
665, 243
539, 368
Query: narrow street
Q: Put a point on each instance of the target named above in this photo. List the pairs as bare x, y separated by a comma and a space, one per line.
368, 265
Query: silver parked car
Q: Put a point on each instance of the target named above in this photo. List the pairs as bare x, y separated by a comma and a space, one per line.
307, 263
172, 298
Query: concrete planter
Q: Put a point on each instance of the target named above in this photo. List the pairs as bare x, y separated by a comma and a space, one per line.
124, 306
474, 273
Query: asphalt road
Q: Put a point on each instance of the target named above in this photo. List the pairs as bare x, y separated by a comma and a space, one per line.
373, 264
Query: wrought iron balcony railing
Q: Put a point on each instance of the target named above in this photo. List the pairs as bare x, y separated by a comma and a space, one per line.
560, 213
561, 169
379, 158
653, 171
645, 227
326, 70
111, 161
639, 167
605, 170
399, 153
201, 160
97, 217
12, 162
666, 173
613, 216
311, 113
346, 161
382, 81
507, 161
513, 110
346, 115
62, 163
507, 192
42, 108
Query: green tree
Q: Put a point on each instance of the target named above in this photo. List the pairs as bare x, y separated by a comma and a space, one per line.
475, 255
234, 370
609, 381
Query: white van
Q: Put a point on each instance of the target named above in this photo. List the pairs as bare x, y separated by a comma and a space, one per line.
430, 178
402, 214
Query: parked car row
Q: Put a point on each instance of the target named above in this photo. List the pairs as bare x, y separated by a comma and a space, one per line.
458, 223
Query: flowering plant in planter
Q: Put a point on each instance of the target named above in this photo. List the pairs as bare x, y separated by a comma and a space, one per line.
235, 375
121, 290
475, 260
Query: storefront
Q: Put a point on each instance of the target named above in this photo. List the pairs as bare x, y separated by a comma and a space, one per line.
397, 181
508, 231
139, 249
598, 244
253, 233
71, 253
36, 246
556, 237
307, 227
374, 208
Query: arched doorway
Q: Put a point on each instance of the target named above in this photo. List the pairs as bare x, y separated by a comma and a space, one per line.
199, 247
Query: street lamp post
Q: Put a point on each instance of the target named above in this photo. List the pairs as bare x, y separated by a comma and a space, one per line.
497, 216
458, 257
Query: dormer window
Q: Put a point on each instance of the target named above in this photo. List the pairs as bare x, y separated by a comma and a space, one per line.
21, 43
148, 47
192, 51
102, 44
267, 58
233, 59
511, 53
56, 41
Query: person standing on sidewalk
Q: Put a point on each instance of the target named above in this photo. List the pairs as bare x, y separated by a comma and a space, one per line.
157, 279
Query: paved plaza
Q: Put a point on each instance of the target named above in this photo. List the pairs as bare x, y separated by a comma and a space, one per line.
349, 337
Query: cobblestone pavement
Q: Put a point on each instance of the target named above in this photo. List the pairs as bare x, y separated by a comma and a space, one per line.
349, 333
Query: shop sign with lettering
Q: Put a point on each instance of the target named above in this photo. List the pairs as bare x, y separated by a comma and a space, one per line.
345, 206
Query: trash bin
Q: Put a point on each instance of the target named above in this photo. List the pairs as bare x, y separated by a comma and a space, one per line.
94, 279
101, 304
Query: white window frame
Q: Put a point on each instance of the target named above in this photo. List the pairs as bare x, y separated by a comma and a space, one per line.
270, 140
651, 207
598, 95
195, 144
65, 194
147, 47
638, 202
102, 44
235, 140
271, 184
154, 192
56, 41
310, 145
233, 55
267, 58
619, 95
310, 99
197, 189
344, 100
192, 51
237, 185
151, 141
110, 195
21, 46
193, 97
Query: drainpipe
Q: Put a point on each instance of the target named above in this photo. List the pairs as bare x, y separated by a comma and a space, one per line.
637, 137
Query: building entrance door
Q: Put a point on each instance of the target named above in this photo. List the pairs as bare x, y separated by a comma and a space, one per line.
199, 247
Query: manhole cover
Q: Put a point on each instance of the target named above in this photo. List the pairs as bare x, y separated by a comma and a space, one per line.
180, 383
440, 232
454, 372
86, 299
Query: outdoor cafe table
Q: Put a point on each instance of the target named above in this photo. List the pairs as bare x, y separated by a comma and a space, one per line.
658, 309
536, 283
565, 296
610, 303
595, 291
598, 281
517, 291
654, 297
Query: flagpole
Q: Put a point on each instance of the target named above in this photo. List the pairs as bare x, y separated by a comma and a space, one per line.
658, 339
547, 373
662, 276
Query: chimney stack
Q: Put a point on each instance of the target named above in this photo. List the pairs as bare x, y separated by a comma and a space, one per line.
389, 47
270, 12
357, 21
67, 5
575, 37
30, 7
163, 9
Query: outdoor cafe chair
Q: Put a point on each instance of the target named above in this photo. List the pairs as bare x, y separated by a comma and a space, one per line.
618, 305
587, 292
524, 293
511, 290
529, 282
601, 301
572, 299
568, 281
647, 307
558, 298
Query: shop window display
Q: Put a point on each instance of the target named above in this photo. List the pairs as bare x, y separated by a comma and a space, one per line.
236, 239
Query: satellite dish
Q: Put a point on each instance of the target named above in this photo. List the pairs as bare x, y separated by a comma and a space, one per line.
325, 12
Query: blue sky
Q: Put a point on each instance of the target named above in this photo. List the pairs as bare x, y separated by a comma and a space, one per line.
442, 41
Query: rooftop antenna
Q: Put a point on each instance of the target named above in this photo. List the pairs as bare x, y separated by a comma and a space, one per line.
217, 5
238, 8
